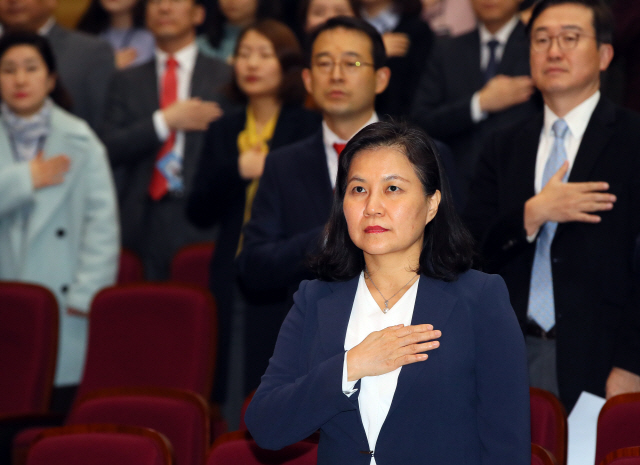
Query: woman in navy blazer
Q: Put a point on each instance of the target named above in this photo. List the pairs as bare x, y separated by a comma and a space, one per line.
466, 401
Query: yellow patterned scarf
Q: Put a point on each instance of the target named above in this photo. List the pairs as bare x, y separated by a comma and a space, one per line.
249, 139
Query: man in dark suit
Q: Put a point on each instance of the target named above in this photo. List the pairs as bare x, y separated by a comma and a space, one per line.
155, 148
565, 248
345, 73
85, 63
476, 83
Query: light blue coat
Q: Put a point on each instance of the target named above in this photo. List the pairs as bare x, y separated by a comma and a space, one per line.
65, 237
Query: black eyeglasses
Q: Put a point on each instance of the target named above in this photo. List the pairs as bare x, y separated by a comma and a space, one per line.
567, 40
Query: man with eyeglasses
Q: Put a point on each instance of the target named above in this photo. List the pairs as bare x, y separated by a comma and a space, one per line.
345, 72
555, 206
477, 83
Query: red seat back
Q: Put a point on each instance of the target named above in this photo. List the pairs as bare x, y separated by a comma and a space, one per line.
130, 269
625, 456
237, 448
618, 425
243, 410
191, 264
182, 416
541, 456
151, 334
549, 423
28, 347
100, 445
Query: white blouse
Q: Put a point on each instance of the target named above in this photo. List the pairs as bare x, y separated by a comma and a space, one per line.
376, 392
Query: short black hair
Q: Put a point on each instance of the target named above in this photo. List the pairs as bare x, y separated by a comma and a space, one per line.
447, 249
603, 22
14, 39
354, 24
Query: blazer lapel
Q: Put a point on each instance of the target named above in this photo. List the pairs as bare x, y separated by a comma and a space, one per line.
58, 142
6, 159
433, 306
598, 133
523, 169
334, 311
149, 95
470, 63
315, 164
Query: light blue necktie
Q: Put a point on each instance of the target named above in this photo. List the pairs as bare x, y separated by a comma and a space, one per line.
541, 304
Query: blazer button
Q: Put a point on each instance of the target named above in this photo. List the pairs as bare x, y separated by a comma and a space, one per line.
61, 232
64, 288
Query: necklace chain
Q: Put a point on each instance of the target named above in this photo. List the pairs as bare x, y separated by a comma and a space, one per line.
386, 301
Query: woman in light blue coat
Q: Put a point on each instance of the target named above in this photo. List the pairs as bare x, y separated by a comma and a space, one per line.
58, 218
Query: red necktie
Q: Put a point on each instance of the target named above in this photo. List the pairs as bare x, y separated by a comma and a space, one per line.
159, 185
339, 148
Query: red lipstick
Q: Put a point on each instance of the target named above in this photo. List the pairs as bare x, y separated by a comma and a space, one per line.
375, 229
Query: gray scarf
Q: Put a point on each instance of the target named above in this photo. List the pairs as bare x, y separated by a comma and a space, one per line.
27, 134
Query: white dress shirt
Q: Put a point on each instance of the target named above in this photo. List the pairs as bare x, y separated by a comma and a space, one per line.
376, 392
577, 121
502, 36
186, 58
329, 138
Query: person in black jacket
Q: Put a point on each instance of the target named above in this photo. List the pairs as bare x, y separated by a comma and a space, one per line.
407, 41
555, 208
477, 83
267, 66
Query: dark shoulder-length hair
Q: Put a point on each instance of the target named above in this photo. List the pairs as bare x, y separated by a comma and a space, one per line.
96, 19
447, 249
13, 39
289, 54
215, 20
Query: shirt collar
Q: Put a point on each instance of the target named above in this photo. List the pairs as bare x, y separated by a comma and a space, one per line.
502, 35
186, 57
577, 119
329, 137
46, 27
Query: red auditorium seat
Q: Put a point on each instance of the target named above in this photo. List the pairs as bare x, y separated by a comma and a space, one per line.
541, 456
549, 423
191, 264
151, 334
625, 456
618, 425
245, 405
146, 335
28, 347
130, 269
182, 416
100, 445
237, 447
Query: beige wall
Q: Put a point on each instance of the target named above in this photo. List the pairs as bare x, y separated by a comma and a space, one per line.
69, 11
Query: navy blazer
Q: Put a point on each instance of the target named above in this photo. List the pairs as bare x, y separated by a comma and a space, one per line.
467, 404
